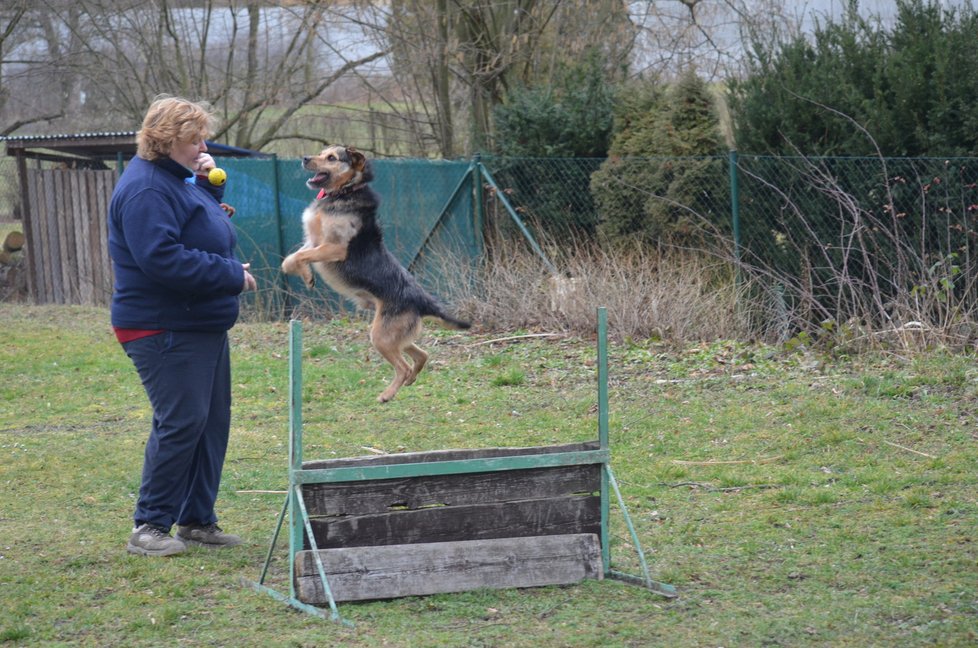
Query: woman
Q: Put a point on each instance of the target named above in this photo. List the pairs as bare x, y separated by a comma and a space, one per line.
176, 291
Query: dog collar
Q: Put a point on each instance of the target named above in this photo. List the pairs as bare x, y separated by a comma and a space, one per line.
323, 194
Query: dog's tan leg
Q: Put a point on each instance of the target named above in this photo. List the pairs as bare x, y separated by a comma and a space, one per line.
291, 265
298, 262
401, 372
325, 253
420, 357
392, 337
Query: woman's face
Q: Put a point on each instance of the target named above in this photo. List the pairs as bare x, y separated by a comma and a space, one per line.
186, 153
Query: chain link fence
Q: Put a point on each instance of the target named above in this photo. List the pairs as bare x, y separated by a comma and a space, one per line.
807, 244
823, 242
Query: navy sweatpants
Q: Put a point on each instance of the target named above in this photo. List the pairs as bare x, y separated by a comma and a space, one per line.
187, 377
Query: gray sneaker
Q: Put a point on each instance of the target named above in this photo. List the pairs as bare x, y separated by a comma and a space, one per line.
149, 540
207, 535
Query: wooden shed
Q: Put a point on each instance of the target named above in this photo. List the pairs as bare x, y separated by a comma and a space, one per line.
64, 200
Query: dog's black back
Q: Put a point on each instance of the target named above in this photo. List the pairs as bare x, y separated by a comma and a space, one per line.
371, 267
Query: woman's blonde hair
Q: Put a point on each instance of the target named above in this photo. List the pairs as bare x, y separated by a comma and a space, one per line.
172, 120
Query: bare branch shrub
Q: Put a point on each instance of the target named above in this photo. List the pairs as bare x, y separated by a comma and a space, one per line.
663, 293
891, 267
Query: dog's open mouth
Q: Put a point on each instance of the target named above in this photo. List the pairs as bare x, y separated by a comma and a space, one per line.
318, 180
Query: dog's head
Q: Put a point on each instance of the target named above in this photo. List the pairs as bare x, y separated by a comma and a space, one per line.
337, 167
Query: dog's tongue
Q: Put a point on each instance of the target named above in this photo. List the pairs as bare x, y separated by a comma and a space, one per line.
320, 178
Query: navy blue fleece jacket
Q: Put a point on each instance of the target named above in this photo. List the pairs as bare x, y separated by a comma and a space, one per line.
172, 249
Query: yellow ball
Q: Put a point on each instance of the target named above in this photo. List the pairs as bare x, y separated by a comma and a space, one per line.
217, 176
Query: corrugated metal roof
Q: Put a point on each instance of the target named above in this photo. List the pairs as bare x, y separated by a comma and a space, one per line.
67, 136
98, 146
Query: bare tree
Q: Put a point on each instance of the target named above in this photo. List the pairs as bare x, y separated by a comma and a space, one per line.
259, 65
416, 77
17, 29
710, 36
453, 61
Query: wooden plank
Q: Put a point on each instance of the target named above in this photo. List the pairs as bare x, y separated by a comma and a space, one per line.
106, 184
53, 251
462, 466
37, 243
409, 493
63, 218
445, 455
93, 249
44, 258
79, 182
26, 215
367, 573
552, 516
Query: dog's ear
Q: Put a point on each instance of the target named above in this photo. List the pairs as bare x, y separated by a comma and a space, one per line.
357, 159
360, 164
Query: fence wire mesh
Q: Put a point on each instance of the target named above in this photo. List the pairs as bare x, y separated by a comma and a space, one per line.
878, 241
881, 242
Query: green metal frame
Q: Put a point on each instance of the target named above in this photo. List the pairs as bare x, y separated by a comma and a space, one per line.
299, 518
477, 172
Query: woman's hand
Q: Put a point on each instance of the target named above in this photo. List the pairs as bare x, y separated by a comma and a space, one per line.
203, 163
249, 280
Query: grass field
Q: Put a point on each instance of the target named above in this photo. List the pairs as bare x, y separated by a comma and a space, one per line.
793, 500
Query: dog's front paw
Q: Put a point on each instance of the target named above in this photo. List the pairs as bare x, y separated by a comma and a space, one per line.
289, 265
308, 277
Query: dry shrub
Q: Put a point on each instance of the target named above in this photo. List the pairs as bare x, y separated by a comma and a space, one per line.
664, 293
870, 275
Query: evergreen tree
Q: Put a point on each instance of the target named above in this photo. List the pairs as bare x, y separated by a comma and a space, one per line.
571, 119
913, 88
663, 176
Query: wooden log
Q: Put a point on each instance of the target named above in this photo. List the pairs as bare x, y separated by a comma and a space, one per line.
367, 573
13, 242
410, 493
549, 516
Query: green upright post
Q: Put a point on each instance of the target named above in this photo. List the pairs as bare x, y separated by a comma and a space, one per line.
603, 433
295, 447
479, 199
279, 235
735, 206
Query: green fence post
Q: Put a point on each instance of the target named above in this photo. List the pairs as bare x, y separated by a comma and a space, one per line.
478, 203
280, 235
603, 442
735, 206
504, 201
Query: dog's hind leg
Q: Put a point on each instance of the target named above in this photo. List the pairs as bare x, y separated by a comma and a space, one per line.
420, 357
392, 337
401, 372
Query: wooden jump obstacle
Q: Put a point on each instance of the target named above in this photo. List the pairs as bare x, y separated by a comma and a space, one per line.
421, 523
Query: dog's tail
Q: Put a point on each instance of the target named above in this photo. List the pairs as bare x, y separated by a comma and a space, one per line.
461, 325
434, 310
